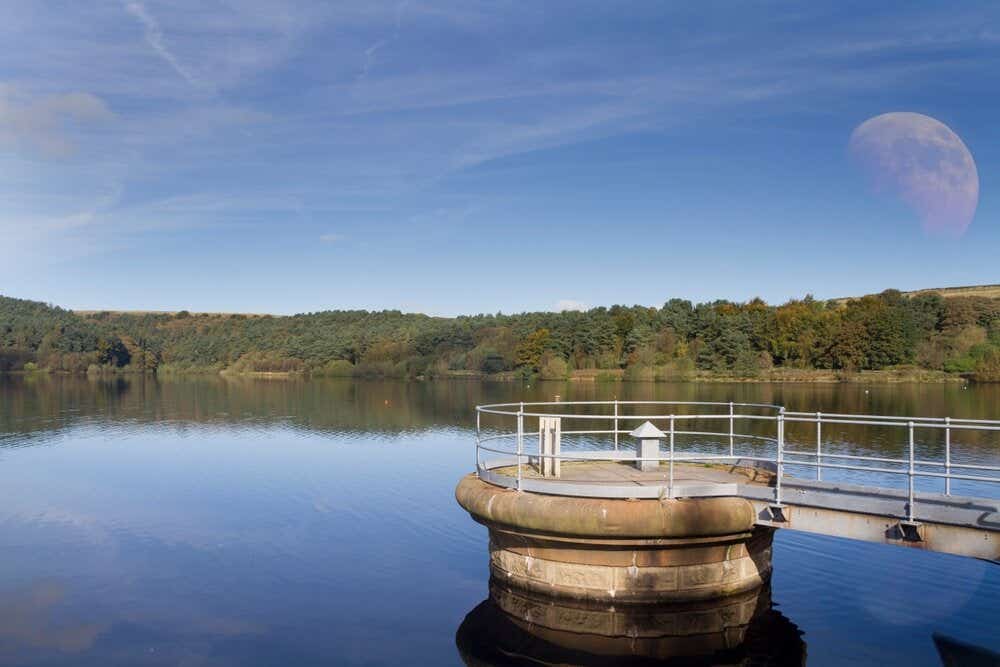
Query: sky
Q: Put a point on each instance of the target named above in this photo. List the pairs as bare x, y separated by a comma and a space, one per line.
465, 157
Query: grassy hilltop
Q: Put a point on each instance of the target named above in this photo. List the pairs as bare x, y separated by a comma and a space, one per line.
986, 291
925, 334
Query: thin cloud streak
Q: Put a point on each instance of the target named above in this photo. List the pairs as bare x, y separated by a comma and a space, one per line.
154, 37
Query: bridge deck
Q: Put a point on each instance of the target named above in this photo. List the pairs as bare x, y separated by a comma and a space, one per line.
951, 524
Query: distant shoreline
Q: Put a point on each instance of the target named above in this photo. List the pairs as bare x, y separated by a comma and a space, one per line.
890, 337
587, 376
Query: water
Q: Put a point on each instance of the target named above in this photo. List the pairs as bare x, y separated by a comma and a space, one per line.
258, 522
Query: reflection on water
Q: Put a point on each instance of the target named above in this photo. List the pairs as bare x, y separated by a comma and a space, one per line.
40, 403
40, 407
516, 628
216, 521
28, 622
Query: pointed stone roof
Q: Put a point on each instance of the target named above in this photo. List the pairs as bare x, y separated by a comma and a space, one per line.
647, 431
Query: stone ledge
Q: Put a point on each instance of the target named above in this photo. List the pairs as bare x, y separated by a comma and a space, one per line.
605, 517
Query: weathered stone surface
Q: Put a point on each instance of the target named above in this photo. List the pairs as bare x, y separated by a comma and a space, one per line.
628, 584
620, 551
605, 517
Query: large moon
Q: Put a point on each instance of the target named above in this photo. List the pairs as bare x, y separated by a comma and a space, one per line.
920, 160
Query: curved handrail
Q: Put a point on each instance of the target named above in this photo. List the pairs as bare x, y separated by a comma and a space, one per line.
518, 408
736, 412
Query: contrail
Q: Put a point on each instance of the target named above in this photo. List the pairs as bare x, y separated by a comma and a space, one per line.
154, 37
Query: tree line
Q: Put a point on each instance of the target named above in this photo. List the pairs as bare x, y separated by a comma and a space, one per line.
958, 334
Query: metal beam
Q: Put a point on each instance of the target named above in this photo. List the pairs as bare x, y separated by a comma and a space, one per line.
947, 524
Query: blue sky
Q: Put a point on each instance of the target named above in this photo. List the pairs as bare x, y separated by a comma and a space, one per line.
463, 157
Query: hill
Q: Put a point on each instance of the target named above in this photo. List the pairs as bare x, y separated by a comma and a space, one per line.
987, 291
956, 330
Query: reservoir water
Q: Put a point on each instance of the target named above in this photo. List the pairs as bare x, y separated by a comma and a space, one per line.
221, 521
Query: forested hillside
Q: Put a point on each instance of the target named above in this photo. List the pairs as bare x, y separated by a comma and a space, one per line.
957, 335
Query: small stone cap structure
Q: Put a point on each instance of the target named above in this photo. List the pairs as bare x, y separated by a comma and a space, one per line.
647, 431
648, 447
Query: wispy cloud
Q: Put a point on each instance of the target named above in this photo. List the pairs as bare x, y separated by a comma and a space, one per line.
48, 226
155, 39
331, 238
563, 305
43, 123
369, 61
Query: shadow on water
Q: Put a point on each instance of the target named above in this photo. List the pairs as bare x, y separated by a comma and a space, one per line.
955, 653
516, 628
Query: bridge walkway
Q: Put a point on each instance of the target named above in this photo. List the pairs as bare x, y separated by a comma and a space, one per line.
943, 523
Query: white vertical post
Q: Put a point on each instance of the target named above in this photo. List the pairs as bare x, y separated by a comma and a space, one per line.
520, 442
819, 447
616, 424
670, 483
556, 467
479, 416
542, 446
549, 446
781, 455
909, 510
731, 430
947, 456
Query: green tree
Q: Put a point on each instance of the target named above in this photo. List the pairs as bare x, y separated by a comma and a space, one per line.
987, 368
552, 367
112, 353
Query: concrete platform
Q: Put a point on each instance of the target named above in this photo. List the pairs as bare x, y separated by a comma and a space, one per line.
621, 479
622, 472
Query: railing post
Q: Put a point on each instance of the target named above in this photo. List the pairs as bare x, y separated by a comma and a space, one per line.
520, 442
909, 510
947, 456
670, 483
781, 455
479, 416
731, 430
819, 447
616, 424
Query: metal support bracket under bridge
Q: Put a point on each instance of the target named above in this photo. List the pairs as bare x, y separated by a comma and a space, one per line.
948, 524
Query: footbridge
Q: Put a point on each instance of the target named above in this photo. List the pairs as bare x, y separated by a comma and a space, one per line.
920, 482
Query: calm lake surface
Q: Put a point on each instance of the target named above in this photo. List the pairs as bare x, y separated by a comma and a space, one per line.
258, 522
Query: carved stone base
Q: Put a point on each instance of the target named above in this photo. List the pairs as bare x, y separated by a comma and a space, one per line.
626, 551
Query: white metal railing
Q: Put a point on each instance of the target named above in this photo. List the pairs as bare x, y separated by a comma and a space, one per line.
771, 420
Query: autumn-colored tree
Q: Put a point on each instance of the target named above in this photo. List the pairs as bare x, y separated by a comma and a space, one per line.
529, 353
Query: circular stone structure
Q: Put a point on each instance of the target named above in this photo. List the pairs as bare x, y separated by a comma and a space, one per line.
611, 550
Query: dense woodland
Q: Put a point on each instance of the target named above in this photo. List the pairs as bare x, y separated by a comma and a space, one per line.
677, 341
